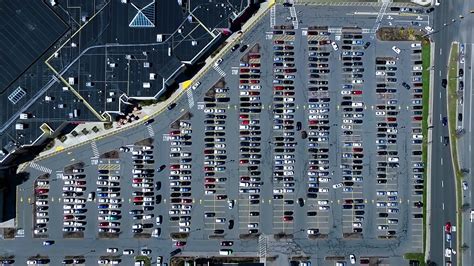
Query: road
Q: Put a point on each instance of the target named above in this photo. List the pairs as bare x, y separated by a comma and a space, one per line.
443, 204
465, 141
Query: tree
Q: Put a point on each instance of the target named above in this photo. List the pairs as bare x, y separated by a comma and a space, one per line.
464, 247
466, 207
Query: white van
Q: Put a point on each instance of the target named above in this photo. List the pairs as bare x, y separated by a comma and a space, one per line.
225, 252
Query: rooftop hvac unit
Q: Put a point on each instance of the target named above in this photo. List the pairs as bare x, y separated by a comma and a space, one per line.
169, 51
194, 43
23, 116
159, 38
146, 85
19, 126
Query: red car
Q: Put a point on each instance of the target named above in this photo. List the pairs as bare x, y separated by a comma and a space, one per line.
244, 81
279, 42
255, 65
104, 224
42, 190
244, 161
186, 201
244, 178
447, 227
174, 166
137, 180
137, 199
244, 122
391, 119
287, 218
279, 88
357, 92
417, 118
210, 180
244, 116
357, 149
254, 81
180, 244
254, 93
244, 70
208, 168
67, 217
175, 132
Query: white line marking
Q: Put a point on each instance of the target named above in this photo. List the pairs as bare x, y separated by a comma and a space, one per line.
443, 209
442, 183
95, 150
151, 132
440, 51
441, 161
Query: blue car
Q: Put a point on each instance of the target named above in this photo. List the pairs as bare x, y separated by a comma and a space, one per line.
103, 206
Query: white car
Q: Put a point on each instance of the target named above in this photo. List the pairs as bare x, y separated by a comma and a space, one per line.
396, 49
358, 81
352, 259
417, 68
112, 250
323, 202
390, 63
429, 29
393, 159
128, 252
334, 46
345, 92
379, 113
218, 62
380, 73
196, 85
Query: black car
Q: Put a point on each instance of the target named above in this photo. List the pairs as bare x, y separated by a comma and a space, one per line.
429, 10
461, 72
366, 45
301, 202
235, 47
243, 48
171, 106
444, 83
405, 85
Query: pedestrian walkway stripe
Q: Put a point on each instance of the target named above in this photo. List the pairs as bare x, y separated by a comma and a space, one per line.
151, 132
190, 98
219, 70
40, 168
95, 150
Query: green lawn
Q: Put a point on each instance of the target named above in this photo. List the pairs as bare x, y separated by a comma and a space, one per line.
416, 256
145, 259
452, 117
426, 57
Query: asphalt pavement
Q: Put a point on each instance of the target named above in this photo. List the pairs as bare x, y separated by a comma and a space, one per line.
334, 222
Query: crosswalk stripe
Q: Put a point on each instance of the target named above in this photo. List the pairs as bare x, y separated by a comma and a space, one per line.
95, 150
219, 70
190, 99
40, 168
150, 131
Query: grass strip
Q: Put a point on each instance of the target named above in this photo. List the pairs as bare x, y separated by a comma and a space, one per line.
417, 257
452, 116
146, 260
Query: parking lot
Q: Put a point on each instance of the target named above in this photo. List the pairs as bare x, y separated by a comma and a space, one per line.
304, 130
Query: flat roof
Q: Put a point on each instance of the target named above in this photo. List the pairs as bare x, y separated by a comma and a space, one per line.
27, 31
